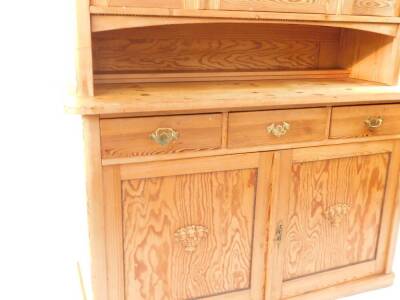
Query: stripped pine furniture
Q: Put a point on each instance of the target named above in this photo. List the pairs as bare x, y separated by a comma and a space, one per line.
240, 149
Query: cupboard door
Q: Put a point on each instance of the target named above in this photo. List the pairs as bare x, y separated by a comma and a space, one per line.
334, 212
188, 229
301, 6
387, 8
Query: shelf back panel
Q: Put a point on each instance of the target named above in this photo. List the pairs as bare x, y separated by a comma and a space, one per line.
215, 48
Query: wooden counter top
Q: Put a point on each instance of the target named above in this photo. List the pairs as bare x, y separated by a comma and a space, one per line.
158, 98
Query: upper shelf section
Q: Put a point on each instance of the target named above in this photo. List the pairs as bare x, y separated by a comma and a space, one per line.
133, 41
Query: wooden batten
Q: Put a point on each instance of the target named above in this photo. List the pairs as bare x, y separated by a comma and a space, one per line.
208, 13
105, 22
84, 68
220, 76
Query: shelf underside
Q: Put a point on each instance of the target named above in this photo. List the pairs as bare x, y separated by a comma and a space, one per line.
113, 22
187, 97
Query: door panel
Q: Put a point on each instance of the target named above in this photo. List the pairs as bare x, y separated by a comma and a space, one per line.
334, 213
196, 229
334, 206
188, 236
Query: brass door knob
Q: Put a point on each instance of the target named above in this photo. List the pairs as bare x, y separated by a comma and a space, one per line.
164, 136
278, 130
374, 122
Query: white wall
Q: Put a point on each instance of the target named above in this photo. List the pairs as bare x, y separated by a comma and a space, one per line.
42, 206
42, 203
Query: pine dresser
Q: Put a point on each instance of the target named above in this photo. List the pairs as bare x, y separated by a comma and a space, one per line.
240, 149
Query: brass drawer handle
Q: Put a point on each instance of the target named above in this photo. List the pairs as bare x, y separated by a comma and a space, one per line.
374, 122
191, 236
164, 136
278, 130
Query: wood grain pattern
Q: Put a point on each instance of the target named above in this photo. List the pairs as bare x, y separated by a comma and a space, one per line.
217, 153
84, 59
278, 218
342, 150
95, 205
211, 47
281, 17
371, 7
350, 121
126, 137
133, 56
306, 6
99, 2
326, 282
248, 129
348, 289
314, 244
148, 3
113, 232
189, 166
392, 211
221, 76
302, 6
114, 22
156, 98
156, 266
370, 56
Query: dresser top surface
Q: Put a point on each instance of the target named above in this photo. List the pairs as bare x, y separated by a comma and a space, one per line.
230, 96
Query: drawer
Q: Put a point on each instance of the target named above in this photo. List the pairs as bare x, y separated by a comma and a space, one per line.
127, 137
148, 3
247, 129
312, 6
371, 7
366, 120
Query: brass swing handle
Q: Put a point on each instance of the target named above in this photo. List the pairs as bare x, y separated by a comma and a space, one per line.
164, 136
374, 122
278, 130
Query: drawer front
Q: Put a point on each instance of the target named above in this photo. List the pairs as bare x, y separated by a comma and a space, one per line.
363, 121
248, 129
371, 7
127, 137
148, 3
302, 6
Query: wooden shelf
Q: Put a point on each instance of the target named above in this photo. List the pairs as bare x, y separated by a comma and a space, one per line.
205, 13
114, 22
195, 97
112, 18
